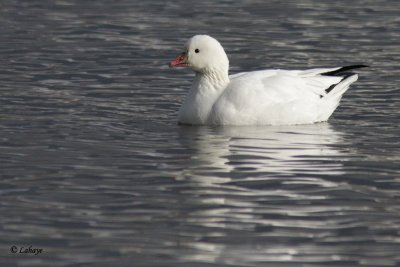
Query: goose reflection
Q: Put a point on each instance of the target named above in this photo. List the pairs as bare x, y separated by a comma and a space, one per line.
221, 154
247, 182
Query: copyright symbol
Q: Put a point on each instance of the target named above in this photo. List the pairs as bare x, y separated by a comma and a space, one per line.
14, 249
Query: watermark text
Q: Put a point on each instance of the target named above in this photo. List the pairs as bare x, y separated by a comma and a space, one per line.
26, 250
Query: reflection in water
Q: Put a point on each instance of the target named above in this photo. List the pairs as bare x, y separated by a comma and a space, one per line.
263, 151
254, 176
283, 150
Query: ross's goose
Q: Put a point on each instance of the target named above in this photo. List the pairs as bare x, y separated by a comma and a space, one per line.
265, 97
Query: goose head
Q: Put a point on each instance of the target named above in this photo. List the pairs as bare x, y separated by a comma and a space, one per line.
204, 55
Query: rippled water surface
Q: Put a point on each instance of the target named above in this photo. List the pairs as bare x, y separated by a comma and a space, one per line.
96, 172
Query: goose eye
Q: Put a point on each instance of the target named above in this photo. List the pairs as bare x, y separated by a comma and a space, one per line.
196, 50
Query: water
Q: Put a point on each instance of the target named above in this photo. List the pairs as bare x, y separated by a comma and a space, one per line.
96, 172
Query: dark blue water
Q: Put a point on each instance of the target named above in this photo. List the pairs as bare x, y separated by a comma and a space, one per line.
96, 172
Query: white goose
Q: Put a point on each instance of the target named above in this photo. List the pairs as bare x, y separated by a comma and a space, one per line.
265, 97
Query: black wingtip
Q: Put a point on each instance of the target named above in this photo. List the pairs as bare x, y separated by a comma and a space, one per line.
340, 71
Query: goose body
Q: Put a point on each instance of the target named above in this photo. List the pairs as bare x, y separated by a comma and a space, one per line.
265, 97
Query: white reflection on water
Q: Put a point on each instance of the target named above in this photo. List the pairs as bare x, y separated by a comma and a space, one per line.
263, 151
222, 172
